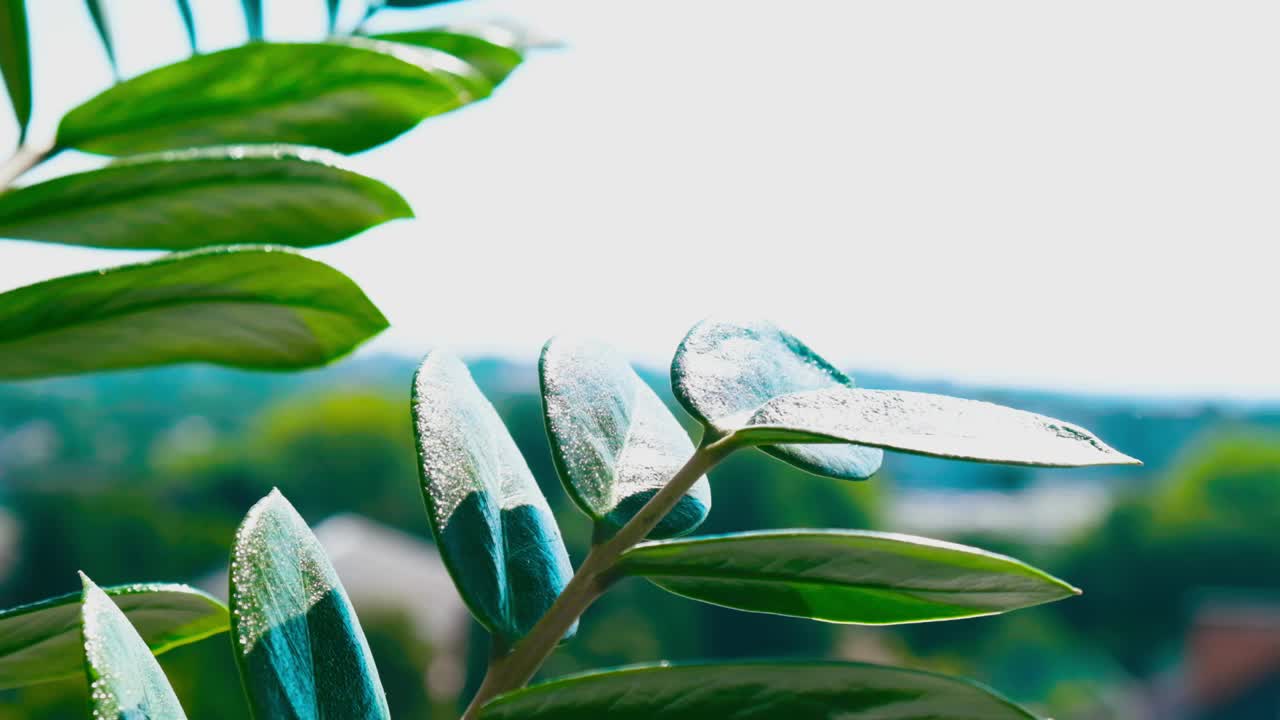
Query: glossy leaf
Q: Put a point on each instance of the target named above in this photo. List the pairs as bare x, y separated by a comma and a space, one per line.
188, 23
102, 25
246, 307
252, 18
41, 642
490, 49
196, 198
926, 424
868, 578
491, 523
125, 681
724, 371
788, 691
15, 60
298, 644
613, 440
345, 97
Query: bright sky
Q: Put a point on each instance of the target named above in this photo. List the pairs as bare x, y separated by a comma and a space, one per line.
1079, 195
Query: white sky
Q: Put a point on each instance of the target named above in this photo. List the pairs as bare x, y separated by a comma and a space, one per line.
1080, 195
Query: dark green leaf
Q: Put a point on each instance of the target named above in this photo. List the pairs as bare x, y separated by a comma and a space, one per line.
41, 642
867, 578
252, 18
785, 691
125, 681
724, 371
298, 643
345, 97
188, 22
926, 424
197, 198
614, 442
15, 60
100, 23
491, 50
492, 524
246, 307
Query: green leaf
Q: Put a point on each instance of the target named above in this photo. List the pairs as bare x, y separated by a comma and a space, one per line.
262, 308
491, 523
15, 60
862, 577
926, 424
252, 18
491, 50
100, 23
332, 6
346, 97
188, 22
40, 642
614, 442
792, 691
196, 198
125, 681
724, 371
298, 644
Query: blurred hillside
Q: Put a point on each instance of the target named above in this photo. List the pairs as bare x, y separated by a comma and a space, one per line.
145, 475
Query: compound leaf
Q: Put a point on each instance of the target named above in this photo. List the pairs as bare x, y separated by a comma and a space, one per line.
301, 197
614, 442
795, 691
265, 308
724, 371
490, 520
297, 641
41, 642
861, 577
125, 681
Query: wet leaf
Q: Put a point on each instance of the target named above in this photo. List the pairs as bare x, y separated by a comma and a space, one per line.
490, 49
614, 442
125, 681
188, 199
862, 577
41, 642
298, 644
789, 691
491, 523
343, 96
15, 60
925, 424
724, 371
264, 308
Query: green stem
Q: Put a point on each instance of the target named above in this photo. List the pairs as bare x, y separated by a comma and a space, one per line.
592, 579
25, 158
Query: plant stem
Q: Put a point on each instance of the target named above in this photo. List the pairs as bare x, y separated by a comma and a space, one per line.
592, 579
25, 158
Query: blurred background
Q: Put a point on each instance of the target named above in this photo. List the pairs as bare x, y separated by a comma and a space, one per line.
1063, 208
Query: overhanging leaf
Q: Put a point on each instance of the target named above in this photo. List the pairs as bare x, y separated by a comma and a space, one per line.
298, 643
188, 22
859, 577
724, 371
188, 199
614, 442
102, 25
246, 307
346, 97
491, 50
491, 523
926, 424
794, 691
41, 642
331, 7
252, 18
15, 60
125, 681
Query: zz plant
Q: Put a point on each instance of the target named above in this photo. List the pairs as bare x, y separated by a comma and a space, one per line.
221, 152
